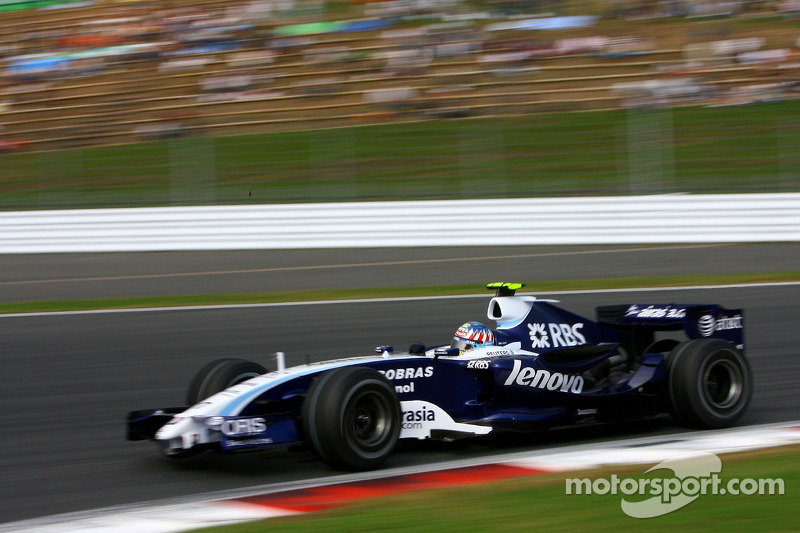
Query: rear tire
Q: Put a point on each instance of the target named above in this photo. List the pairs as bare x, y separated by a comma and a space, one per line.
709, 383
351, 418
219, 375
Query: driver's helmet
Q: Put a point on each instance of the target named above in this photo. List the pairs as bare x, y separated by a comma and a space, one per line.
472, 335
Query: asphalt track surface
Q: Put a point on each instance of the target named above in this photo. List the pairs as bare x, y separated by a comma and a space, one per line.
67, 380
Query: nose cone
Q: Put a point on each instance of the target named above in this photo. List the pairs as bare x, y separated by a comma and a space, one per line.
180, 432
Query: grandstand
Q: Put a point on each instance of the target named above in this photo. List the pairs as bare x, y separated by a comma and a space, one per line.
160, 76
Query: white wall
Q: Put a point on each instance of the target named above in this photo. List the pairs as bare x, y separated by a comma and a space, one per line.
527, 221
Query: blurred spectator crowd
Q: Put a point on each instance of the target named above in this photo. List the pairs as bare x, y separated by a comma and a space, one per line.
159, 65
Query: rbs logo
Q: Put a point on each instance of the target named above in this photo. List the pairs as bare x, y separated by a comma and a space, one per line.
556, 335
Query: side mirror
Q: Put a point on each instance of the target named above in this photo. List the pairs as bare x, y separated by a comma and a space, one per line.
449, 352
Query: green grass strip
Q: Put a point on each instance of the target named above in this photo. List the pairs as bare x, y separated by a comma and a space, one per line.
540, 503
390, 292
693, 149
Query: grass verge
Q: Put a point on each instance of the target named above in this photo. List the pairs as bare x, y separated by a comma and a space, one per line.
389, 292
541, 503
694, 149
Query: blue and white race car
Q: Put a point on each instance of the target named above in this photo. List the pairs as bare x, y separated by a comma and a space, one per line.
542, 366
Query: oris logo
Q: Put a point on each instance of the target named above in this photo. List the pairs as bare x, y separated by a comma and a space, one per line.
243, 427
707, 325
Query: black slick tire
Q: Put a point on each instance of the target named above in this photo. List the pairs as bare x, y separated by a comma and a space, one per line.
219, 375
709, 383
351, 418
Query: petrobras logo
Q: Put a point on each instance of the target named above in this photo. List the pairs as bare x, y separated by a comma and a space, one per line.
395, 374
543, 379
655, 311
556, 335
408, 373
707, 325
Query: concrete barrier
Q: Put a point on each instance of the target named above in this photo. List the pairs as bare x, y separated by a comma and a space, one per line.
525, 221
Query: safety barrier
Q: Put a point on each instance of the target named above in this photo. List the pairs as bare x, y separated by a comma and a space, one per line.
505, 222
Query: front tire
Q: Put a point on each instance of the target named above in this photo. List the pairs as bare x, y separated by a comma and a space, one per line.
351, 418
219, 375
709, 383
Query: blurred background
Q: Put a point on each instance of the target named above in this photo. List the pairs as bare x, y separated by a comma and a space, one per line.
113, 103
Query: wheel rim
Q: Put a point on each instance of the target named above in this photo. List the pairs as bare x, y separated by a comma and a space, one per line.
368, 422
723, 383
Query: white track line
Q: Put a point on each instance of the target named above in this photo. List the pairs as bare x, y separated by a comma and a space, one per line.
385, 300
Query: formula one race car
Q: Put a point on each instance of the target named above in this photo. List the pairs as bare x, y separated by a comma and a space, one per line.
541, 367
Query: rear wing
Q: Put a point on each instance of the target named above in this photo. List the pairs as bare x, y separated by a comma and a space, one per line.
698, 321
